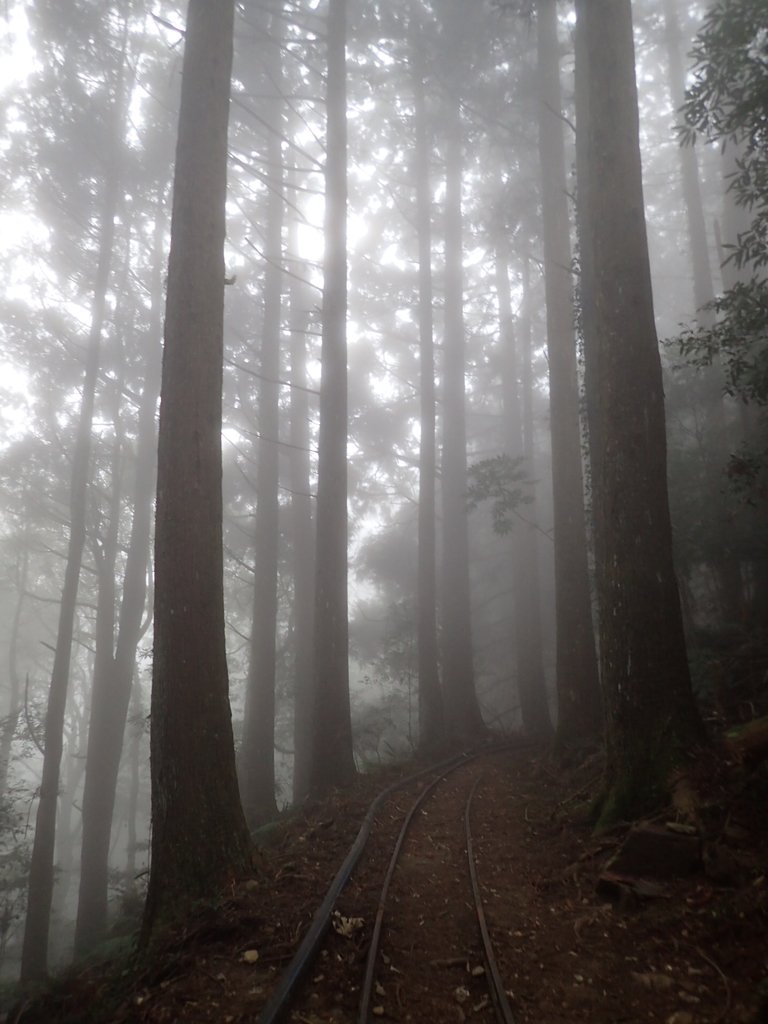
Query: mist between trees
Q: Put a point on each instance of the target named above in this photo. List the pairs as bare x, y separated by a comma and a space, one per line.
395, 275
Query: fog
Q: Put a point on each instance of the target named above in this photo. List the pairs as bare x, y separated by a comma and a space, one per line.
90, 107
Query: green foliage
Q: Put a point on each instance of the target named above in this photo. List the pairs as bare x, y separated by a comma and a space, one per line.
739, 338
727, 102
502, 481
14, 869
748, 474
385, 709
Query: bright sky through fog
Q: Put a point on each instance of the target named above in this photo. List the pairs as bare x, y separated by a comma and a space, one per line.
16, 54
310, 233
16, 57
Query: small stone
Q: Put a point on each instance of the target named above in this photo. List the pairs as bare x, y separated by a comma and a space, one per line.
461, 994
687, 997
654, 981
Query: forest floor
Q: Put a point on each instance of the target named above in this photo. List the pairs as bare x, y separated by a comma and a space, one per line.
689, 948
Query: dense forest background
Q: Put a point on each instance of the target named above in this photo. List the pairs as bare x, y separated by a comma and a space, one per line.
452, 369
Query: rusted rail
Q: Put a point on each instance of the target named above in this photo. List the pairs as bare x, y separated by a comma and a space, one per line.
285, 991
496, 985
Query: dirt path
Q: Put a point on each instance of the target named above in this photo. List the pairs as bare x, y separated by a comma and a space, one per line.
695, 954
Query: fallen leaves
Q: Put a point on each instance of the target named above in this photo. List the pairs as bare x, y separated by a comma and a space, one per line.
654, 981
347, 927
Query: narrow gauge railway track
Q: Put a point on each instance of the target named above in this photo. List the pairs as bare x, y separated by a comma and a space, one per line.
429, 952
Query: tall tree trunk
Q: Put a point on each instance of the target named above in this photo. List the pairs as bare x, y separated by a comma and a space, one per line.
431, 720
68, 823
199, 835
748, 431
462, 711
518, 438
97, 812
332, 756
136, 729
302, 540
651, 716
113, 681
703, 289
257, 760
15, 702
34, 956
578, 688
534, 706
725, 564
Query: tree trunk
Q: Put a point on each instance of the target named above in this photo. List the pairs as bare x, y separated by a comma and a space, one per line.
15, 703
199, 835
113, 683
91, 921
302, 541
68, 825
533, 691
518, 439
257, 760
431, 720
136, 729
462, 711
34, 958
578, 687
652, 720
703, 290
725, 564
332, 756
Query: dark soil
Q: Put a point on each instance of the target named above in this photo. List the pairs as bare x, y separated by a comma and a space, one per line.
677, 950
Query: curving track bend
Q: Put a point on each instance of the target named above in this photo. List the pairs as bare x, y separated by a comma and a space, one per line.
403, 947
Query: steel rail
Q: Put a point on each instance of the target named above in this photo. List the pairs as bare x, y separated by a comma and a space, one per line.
373, 950
289, 980
498, 992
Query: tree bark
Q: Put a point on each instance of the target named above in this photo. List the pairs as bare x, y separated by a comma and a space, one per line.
332, 755
703, 289
518, 439
97, 808
462, 711
34, 958
113, 680
15, 704
136, 729
725, 564
302, 542
257, 760
578, 688
533, 691
652, 721
199, 835
431, 718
